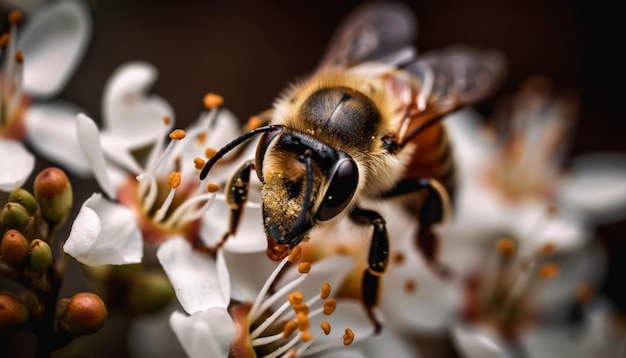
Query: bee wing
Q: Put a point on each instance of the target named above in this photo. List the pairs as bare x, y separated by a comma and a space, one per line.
459, 75
376, 31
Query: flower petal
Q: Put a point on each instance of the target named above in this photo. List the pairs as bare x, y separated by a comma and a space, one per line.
596, 187
51, 131
104, 233
205, 333
200, 281
477, 342
89, 140
17, 164
53, 41
248, 272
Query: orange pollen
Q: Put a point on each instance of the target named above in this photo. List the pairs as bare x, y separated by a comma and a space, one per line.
212, 100
302, 307
304, 267
548, 270
19, 57
325, 291
173, 180
295, 254
15, 17
548, 248
329, 306
306, 336
201, 137
167, 120
295, 298
212, 188
198, 163
325, 326
506, 247
177, 134
209, 152
254, 122
4, 39
292, 353
398, 258
302, 319
410, 285
348, 337
289, 328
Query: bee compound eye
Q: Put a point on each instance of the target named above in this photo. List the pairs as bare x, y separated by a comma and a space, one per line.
342, 186
261, 148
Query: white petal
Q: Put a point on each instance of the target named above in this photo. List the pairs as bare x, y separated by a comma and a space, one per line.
477, 342
17, 164
199, 281
89, 140
248, 273
471, 149
596, 187
104, 233
51, 130
53, 41
205, 333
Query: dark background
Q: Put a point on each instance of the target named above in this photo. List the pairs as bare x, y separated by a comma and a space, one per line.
248, 50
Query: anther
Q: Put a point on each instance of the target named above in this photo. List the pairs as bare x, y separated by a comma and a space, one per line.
306, 336
201, 138
295, 298
253, 123
304, 267
198, 163
329, 306
302, 319
548, 249
548, 270
584, 293
212, 188
301, 307
4, 39
167, 120
19, 57
173, 180
410, 285
295, 254
325, 293
210, 152
15, 17
289, 328
212, 100
177, 134
506, 247
348, 337
325, 326
292, 353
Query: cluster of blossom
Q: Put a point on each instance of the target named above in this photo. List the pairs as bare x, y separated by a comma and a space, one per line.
520, 247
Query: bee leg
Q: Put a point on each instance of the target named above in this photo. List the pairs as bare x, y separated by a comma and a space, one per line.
378, 260
432, 211
236, 197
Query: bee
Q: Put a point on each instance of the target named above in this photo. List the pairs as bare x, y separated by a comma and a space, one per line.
365, 124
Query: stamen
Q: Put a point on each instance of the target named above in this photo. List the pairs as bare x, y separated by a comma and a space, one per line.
302, 319
295, 254
506, 247
306, 336
212, 100
149, 199
325, 291
254, 122
198, 163
19, 57
280, 293
295, 298
4, 39
187, 212
259, 298
15, 17
548, 270
325, 326
173, 181
284, 348
201, 138
304, 267
212, 188
348, 337
329, 306
289, 329
210, 152
167, 120
271, 319
547, 249
177, 134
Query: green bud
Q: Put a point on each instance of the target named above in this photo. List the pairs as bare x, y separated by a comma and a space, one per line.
25, 198
14, 216
13, 248
13, 313
40, 256
151, 292
53, 192
84, 313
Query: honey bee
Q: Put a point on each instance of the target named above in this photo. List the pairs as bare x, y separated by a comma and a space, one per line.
365, 124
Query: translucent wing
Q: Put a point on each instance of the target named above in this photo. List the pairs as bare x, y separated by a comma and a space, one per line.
373, 32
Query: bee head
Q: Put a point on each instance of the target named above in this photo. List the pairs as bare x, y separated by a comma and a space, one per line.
304, 180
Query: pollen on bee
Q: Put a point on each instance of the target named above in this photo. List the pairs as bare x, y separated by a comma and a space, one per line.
329, 306
348, 337
254, 122
295, 254
548, 270
295, 298
4, 39
212, 188
177, 134
212, 100
19, 57
304, 267
325, 293
506, 247
173, 180
209, 152
289, 328
325, 326
15, 17
198, 162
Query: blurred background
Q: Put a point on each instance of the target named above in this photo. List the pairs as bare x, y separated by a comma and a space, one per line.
248, 50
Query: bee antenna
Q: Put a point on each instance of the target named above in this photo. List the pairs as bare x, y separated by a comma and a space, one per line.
307, 194
230, 146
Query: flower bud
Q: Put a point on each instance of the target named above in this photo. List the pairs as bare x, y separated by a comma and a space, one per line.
13, 248
13, 313
150, 293
14, 216
25, 198
40, 256
84, 313
53, 191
